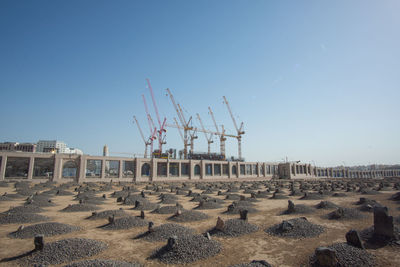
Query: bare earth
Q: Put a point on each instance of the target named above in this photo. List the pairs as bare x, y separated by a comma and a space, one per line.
277, 251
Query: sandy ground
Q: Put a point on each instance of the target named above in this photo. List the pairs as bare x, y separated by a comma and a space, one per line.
256, 246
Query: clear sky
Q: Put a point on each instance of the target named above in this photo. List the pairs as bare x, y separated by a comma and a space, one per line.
316, 81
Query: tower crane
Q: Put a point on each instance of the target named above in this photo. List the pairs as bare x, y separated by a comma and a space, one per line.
153, 129
184, 124
221, 134
162, 130
239, 131
146, 143
208, 138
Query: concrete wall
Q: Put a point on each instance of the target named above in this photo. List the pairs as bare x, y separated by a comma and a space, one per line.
85, 168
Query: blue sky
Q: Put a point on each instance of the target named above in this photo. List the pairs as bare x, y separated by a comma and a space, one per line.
316, 81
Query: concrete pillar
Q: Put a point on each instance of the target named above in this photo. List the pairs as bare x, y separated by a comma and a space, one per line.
103, 169
203, 169
30, 169
168, 168
120, 170
82, 168
191, 169
138, 168
58, 164
180, 169
3, 167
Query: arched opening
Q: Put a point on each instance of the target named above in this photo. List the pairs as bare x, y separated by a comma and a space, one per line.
197, 169
70, 169
146, 169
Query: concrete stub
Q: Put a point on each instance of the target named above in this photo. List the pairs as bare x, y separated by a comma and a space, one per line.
353, 239
286, 226
208, 236
291, 207
39, 242
220, 224
20, 228
172, 241
142, 215
383, 223
150, 228
243, 214
326, 257
111, 219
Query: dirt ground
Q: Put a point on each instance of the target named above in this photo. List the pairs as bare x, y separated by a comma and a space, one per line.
256, 246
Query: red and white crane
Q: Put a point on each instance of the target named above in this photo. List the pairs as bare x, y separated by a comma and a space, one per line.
221, 134
239, 131
152, 127
146, 142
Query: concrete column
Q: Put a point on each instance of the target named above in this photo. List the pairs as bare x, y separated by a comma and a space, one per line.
30, 169
138, 169
103, 169
203, 169
58, 164
120, 170
294, 168
82, 168
153, 169
168, 168
191, 169
180, 169
3, 167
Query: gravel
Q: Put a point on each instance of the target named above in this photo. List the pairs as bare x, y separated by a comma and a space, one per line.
46, 229
236, 207
299, 209
312, 196
63, 251
348, 256
207, 205
107, 213
255, 263
168, 209
16, 217
234, 228
102, 263
375, 241
189, 216
145, 205
131, 199
296, 228
187, 249
345, 214
165, 231
80, 207
125, 223
24, 209
326, 205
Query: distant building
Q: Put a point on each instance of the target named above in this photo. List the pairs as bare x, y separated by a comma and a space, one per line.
15, 146
105, 151
51, 146
54, 146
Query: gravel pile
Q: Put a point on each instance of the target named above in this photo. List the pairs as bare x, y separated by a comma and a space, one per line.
236, 207
3, 184
345, 214
107, 213
62, 251
145, 205
168, 199
348, 256
296, 228
187, 249
15, 217
233, 197
376, 241
395, 197
131, 199
24, 209
80, 207
312, 196
102, 263
168, 209
234, 227
165, 231
326, 205
367, 205
207, 205
255, 263
339, 195
125, 223
189, 216
46, 229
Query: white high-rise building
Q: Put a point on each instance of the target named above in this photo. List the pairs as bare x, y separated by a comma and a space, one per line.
54, 146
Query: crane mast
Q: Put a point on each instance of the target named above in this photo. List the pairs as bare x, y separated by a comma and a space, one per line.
239, 131
222, 137
161, 131
146, 143
209, 139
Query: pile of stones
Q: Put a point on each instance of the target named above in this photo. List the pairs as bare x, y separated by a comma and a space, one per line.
169, 209
164, 231
124, 223
208, 204
102, 263
326, 205
61, 251
80, 207
297, 209
107, 213
45, 229
186, 249
21, 217
296, 228
233, 227
345, 214
188, 216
